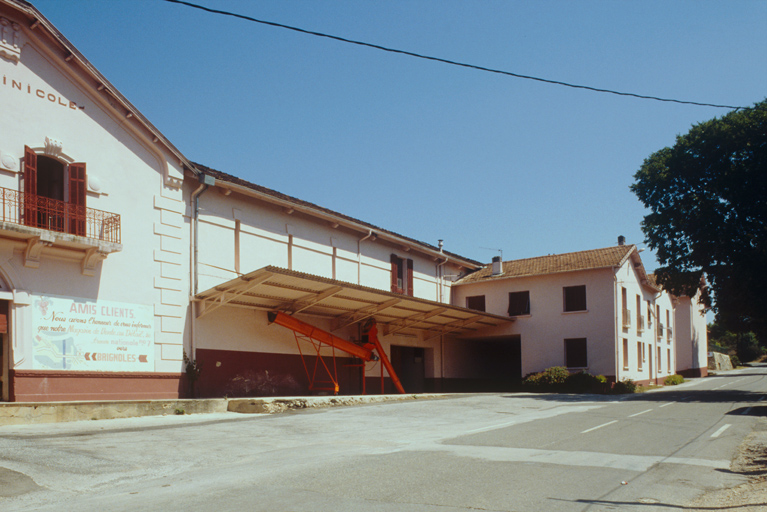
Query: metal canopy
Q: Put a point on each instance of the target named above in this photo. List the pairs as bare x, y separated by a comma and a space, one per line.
278, 289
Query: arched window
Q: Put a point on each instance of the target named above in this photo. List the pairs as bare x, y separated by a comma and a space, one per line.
54, 194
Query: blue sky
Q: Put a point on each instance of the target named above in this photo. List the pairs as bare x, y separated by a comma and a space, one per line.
426, 149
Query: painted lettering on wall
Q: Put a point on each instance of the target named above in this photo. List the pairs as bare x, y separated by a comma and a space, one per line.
80, 335
33, 90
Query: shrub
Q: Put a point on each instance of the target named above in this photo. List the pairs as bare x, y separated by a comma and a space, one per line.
673, 380
626, 386
584, 382
735, 360
550, 379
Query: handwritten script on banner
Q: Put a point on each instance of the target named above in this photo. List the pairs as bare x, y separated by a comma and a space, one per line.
79, 335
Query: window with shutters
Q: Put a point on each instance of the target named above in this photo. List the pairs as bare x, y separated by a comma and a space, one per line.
574, 298
519, 303
476, 302
54, 194
401, 275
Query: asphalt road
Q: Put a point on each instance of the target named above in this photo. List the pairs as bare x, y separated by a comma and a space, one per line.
653, 451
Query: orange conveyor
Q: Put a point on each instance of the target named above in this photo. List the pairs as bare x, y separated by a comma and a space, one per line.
361, 351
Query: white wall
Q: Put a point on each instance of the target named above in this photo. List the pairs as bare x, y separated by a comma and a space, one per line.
151, 268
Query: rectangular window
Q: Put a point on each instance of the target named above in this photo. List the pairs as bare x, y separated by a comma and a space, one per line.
659, 360
575, 353
649, 315
625, 354
519, 303
477, 302
401, 275
640, 320
639, 355
575, 298
668, 361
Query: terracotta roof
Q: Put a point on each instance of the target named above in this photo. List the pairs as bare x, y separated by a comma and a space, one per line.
556, 263
228, 178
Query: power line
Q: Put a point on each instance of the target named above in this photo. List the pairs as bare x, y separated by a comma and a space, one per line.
447, 61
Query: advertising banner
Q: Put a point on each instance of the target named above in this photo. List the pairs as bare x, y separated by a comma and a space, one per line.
82, 335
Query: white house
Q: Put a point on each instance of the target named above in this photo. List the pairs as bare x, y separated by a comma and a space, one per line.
121, 261
596, 311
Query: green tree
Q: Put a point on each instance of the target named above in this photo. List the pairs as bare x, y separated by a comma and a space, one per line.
707, 196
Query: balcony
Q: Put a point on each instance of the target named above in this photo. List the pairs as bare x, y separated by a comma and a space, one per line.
41, 222
626, 318
660, 330
640, 324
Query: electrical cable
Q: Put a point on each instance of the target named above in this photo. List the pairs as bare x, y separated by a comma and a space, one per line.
447, 61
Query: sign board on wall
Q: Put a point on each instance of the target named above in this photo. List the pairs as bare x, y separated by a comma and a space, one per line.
82, 335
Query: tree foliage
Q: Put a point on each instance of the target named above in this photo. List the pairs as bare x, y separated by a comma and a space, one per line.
707, 197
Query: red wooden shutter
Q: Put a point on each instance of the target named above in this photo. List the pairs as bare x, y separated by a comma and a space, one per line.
395, 273
3, 325
30, 187
77, 199
410, 277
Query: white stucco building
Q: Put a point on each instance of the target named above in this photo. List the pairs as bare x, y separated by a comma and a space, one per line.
119, 257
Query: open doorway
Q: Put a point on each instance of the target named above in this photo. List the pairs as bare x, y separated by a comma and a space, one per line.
409, 365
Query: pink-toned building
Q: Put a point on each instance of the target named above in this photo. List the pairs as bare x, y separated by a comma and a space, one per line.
596, 311
121, 260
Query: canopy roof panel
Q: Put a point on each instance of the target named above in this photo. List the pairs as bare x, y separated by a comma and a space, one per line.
277, 289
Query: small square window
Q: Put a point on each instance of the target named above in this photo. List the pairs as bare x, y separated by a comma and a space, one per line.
575, 298
575, 353
477, 302
519, 303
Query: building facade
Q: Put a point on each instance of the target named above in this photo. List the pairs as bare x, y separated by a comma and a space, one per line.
129, 272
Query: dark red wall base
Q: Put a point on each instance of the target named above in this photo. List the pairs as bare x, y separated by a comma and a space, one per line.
51, 386
241, 374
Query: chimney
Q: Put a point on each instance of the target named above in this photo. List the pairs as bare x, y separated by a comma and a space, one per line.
497, 266
621, 240
441, 244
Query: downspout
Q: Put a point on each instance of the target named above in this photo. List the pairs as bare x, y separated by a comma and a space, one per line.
617, 319
440, 279
205, 182
359, 255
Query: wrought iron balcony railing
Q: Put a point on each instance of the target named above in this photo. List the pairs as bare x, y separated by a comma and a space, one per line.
45, 213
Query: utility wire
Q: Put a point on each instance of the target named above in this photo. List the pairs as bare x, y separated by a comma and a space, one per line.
447, 61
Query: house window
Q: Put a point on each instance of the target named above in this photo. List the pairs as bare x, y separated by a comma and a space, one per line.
519, 303
54, 194
575, 353
575, 298
640, 320
649, 315
625, 354
659, 359
401, 275
476, 302
668, 361
639, 355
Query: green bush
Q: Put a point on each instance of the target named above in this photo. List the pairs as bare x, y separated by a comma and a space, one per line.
584, 382
735, 360
673, 380
550, 379
626, 386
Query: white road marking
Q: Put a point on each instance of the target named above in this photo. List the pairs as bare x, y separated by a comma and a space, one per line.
719, 432
493, 427
664, 405
748, 410
637, 414
638, 463
599, 426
